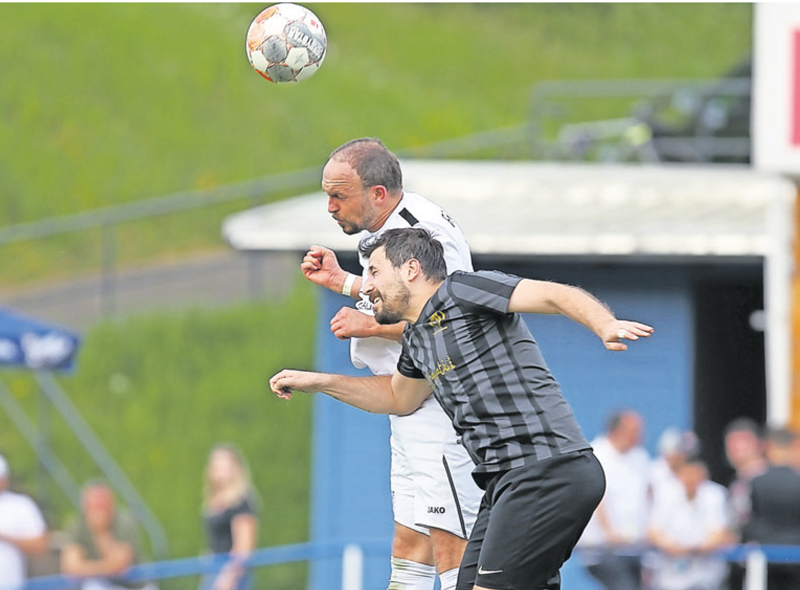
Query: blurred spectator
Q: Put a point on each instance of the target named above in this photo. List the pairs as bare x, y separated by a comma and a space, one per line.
22, 532
795, 461
229, 514
745, 452
687, 525
775, 508
674, 448
618, 524
102, 543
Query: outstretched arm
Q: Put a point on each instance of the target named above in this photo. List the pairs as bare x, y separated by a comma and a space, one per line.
544, 297
380, 394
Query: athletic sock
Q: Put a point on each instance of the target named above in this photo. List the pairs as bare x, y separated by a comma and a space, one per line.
448, 579
411, 575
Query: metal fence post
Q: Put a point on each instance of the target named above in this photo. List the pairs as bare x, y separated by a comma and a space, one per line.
108, 273
755, 576
352, 567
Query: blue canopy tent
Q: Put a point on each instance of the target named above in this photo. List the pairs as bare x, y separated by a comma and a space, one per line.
27, 343
33, 344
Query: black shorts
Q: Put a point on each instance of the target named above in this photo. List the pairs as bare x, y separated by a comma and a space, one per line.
529, 521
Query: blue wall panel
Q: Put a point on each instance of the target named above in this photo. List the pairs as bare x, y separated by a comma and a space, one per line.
350, 495
653, 376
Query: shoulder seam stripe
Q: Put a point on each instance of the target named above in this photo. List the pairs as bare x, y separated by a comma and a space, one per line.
406, 214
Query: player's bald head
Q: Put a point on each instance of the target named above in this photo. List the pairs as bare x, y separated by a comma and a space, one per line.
374, 164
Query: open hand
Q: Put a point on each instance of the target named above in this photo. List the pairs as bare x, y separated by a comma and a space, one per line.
616, 332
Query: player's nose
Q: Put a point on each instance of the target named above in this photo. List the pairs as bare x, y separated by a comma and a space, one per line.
332, 206
367, 286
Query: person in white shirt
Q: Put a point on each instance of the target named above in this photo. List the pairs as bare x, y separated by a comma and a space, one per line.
434, 498
611, 543
23, 532
674, 448
687, 526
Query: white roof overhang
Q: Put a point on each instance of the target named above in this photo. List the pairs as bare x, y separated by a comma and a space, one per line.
523, 208
629, 211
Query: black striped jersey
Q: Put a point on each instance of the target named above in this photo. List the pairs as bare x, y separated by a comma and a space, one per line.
488, 374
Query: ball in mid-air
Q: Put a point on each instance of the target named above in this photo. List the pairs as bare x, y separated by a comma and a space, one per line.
286, 43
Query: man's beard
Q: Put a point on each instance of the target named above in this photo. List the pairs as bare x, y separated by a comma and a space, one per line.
351, 230
393, 313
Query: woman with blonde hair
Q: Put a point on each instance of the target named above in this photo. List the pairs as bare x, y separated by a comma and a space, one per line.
229, 516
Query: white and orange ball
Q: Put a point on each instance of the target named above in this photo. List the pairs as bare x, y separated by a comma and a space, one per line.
286, 43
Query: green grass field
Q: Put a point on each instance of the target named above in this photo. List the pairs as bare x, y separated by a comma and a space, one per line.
106, 104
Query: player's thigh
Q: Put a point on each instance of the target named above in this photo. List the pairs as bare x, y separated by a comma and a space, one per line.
412, 545
446, 496
448, 549
536, 515
404, 491
469, 561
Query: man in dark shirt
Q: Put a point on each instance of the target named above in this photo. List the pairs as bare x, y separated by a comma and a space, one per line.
102, 543
775, 508
467, 343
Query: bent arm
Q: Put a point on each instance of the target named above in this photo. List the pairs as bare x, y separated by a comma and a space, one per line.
351, 323
34, 545
388, 331
530, 296
244, 528
380, 394
115, 558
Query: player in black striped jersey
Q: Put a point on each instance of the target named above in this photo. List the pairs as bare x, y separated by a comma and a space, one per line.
466, 342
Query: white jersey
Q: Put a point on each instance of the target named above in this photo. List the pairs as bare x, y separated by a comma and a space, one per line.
625, 501
20, 518
689, 523
413, 210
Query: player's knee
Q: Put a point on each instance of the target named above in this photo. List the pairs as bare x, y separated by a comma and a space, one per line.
448, 549
412, 545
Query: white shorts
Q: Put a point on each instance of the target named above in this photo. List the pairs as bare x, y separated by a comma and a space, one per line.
432, 485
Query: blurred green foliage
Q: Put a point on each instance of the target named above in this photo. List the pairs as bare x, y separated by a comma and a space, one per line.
106, 103
109, 103
161, 390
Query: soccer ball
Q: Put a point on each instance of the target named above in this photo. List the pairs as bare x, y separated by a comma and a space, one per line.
286, 43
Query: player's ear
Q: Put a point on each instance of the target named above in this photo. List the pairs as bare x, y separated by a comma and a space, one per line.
413, 269
379, 193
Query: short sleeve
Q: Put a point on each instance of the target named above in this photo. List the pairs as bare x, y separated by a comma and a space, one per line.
245, 506
127, 531
33, 523
406, 366
483, 290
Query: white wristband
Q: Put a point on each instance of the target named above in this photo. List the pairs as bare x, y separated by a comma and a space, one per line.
348, 284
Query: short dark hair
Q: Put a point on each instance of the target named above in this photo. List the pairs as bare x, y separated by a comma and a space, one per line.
614, 420
744, 424
781, 437
374, 164
410, 243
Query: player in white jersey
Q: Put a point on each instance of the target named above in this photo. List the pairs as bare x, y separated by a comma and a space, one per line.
434, 497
